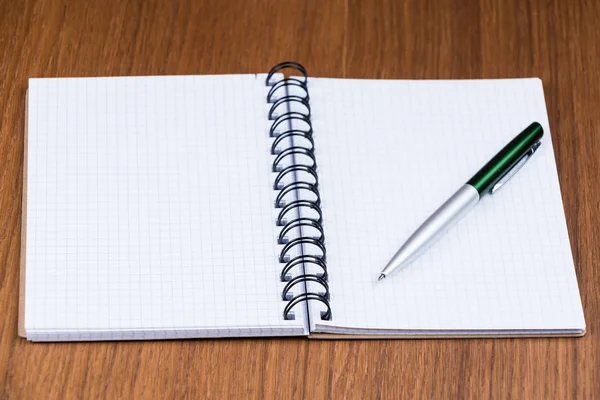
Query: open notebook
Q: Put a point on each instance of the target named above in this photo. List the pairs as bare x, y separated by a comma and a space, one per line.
190, 206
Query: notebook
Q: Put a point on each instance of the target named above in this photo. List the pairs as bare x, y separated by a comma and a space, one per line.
167, 207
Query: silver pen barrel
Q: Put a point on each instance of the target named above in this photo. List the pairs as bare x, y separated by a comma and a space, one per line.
433, 228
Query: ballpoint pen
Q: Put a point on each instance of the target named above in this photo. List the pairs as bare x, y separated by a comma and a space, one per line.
489, 179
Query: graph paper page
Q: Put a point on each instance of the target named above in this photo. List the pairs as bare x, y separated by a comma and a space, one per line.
150, 210
391, 152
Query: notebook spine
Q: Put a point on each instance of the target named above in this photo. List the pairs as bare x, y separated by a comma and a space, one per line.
303, 252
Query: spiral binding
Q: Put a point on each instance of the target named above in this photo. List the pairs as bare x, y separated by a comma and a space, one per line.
297, 144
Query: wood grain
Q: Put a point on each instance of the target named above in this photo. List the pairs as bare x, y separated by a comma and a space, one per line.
556, 40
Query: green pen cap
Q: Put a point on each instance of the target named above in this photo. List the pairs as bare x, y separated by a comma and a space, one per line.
503, 162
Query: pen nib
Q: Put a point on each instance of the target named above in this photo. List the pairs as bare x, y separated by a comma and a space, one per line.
381, 277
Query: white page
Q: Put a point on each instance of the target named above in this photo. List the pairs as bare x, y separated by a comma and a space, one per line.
150, 210
389, 153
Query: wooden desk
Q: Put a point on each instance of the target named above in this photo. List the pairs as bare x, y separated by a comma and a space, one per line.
556, 40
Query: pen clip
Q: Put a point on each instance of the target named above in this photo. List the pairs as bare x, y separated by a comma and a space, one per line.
511, 172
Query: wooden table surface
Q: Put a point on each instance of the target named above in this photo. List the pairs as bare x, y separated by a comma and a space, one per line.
557, 40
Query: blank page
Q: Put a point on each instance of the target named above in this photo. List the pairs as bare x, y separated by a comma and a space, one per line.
390, 152
150, 210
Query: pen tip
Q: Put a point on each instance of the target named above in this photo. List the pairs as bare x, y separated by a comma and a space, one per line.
381, 277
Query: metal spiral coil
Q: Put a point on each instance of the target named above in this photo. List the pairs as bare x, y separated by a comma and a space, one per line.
296, 167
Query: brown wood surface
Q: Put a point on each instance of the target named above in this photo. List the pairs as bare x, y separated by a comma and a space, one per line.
557, 40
